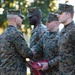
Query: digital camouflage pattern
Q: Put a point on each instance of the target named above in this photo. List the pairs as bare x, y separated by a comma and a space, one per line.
48, 49
67, 50
13, 51
34, 15
37, 33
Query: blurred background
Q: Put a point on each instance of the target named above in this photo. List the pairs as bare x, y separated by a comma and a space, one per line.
45, 5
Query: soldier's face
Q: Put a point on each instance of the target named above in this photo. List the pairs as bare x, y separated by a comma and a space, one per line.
50, 25
63, 17
33, 20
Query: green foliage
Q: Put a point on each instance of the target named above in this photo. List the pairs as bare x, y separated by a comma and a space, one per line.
45, 6
11, 4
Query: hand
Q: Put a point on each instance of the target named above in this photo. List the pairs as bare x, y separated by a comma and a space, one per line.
45, 66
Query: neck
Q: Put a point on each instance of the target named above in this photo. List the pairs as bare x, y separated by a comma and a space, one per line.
12, 24
54, 30
38, 22
67, 22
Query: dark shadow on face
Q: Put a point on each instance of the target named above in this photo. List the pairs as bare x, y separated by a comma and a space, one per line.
33, 20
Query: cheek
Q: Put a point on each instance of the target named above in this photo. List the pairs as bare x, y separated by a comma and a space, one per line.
61, 18
17, 20
64, 18
34, 19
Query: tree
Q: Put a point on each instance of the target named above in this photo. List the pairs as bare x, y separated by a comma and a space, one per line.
45, 5
11, 4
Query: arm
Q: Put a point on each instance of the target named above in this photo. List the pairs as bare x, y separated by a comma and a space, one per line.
50, 63
54, 61
20, 45
38, 48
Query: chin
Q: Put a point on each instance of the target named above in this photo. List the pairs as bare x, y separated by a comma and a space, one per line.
31, 24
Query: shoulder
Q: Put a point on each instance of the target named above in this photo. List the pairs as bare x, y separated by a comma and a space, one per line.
11, 32
43, 26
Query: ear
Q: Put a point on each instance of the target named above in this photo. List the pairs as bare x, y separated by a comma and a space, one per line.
69, 15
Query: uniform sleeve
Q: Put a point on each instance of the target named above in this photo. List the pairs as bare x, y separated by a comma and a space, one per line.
72, 35
21, 45
54, 61
38, 48
72, 38
36, 36
41, 31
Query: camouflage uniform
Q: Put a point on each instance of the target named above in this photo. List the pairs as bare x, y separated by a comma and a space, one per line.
13, 48
39, 28
36, 34
13, 51
66, 50
67, 45
48, 49
47, 46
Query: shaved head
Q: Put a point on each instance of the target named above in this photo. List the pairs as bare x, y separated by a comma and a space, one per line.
9, 17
